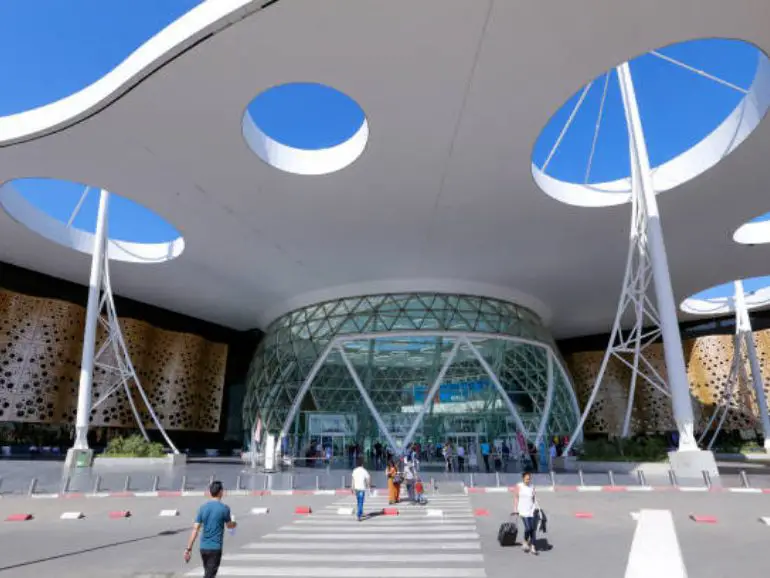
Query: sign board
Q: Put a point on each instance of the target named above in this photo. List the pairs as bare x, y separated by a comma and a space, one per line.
330, 424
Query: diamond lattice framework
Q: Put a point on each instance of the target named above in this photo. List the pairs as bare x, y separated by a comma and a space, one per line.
420, 364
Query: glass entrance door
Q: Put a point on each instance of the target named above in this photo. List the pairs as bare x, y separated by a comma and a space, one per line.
466, 451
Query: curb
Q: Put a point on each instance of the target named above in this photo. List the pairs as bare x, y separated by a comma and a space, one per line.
345, 492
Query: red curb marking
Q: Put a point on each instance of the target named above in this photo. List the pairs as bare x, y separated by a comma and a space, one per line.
120, 514
121, 494
584, 515
476, 490
70, 496
342, 492
614, 489
18, 518
304, 510
704, 519
390, 511
167, 494
303, 492
766, 490
566, 488
481, 512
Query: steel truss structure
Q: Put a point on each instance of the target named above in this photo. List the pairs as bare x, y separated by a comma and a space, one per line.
324, 358
738, 381
646, 265
112, 356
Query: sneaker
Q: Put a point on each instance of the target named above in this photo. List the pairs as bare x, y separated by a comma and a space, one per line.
525, 547
533, 550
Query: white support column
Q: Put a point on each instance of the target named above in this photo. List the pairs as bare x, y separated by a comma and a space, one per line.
744, 328
431, 393
367, 400
672, 342
499, 386
92, 319
548, 399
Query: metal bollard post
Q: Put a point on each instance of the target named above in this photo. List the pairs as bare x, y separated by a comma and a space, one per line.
552, 475
580, 476
184, 483
342, 482
744, 479
643, 478
706, 479
472, 482
238, 484
155, 483
1, 484
32, 486
127, 485
65, 486
97, 485
672, 478
497, 479
317, 483
611, 476
212, 477
291, 482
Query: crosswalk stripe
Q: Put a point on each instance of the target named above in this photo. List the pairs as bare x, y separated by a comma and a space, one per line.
367, 546
366, 529
380, 536
348, 572
421, 558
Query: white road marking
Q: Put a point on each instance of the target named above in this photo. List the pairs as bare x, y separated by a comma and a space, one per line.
655, 548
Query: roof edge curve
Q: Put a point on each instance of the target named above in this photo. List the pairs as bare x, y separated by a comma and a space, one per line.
204, 20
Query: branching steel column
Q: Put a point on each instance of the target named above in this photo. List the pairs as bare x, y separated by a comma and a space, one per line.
85, 387
743, 323
672, 342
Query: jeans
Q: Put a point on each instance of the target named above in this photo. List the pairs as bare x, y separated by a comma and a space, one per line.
360, 495
211, 560
530, 529
410, 490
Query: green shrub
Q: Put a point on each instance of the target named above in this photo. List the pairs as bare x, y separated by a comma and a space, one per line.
642, 449
134, 446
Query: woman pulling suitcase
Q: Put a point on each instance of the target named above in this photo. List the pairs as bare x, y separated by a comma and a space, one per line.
526, 506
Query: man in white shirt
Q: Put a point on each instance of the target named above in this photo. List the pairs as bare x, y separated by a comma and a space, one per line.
361, 482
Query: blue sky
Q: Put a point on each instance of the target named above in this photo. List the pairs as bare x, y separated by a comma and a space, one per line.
727, 289
50, 49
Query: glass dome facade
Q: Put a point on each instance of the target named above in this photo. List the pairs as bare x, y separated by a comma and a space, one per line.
409, 367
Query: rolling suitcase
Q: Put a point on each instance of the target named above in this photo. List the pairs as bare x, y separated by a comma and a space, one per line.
508, 533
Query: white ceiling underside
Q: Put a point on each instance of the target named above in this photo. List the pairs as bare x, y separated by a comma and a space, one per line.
455, 92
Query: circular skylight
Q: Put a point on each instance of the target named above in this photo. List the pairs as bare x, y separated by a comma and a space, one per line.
754, 232
305, 128
698, 100
719, 299
65, 213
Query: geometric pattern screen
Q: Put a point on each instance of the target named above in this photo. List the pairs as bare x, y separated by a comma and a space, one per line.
398, 344
708, 366
40, 348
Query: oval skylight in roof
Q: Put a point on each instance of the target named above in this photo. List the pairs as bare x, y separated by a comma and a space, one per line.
305, 128
754, 232
50, 49
65, 213
698, 101
718, 300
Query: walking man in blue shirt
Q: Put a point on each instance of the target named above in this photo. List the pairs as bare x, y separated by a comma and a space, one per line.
212, 518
